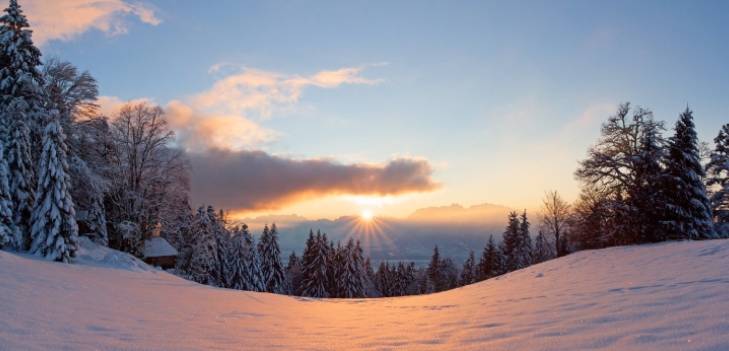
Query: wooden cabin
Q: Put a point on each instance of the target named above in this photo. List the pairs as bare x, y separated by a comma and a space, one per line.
159, 252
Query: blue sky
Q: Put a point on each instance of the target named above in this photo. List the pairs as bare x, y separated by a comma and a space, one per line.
501, 98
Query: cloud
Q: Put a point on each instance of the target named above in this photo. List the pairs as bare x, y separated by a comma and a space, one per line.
67, 19
255, 180
220, 117
109, 106
253, 91
197, 130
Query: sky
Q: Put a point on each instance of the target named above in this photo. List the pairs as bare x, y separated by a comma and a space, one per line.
330, 108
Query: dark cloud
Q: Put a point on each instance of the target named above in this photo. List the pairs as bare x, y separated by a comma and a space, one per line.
255, 180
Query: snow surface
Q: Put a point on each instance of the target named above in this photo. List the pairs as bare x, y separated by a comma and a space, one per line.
670, 296
157, 246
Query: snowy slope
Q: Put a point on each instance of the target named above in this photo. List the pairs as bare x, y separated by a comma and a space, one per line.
671, 296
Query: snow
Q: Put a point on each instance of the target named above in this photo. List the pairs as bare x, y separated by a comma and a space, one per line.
669, 296
157, 246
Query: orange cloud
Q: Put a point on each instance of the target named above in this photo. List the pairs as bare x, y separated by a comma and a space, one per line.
66, 19
255, 180
258, 91
196, 130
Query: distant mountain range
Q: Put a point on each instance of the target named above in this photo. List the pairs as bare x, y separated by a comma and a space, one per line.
455, 229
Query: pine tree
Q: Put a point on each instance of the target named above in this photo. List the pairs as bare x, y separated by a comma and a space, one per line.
21, 108
252, 274
468, 273
511, 243
204, 261
436, 276
688, 209
54, 232
382, 281
717, 171
352, 273
271, 266
314, 282
542, 249
7, 226
490, 264
525, 242
336, 270
293, 273
645, 203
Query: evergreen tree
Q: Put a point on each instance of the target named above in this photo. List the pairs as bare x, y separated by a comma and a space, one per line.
542, 249
468, 273
511, 243
54, 232
252, 275
21, 108
353, 274
235, 261
336, 270
204, 259
382, 281
525, 242
717, 171
688, 210
293, 273
271, 266
490, 264
436, 276
370, 279
314, 277
7, 226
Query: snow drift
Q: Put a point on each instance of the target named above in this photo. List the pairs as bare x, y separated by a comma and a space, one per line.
669, 296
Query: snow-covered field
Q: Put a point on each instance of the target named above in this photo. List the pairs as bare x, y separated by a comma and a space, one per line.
670, 296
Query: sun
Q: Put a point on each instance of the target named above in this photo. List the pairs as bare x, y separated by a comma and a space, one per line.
367, 215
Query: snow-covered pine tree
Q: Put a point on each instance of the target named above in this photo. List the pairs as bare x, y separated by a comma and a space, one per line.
233, 268
314, 282
370, 279
360, 271
490, 264
293, 274
543, 250
253, 275
510, 243
382, 279
204, 261
7, 226
688, 209
220, 235
352, 275
271, 266
717, 171
468, 272
307, 256
21, 108
336, 270
645, 203
54, 231
525, 242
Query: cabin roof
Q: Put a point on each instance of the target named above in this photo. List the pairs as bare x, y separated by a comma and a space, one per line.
158, 247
